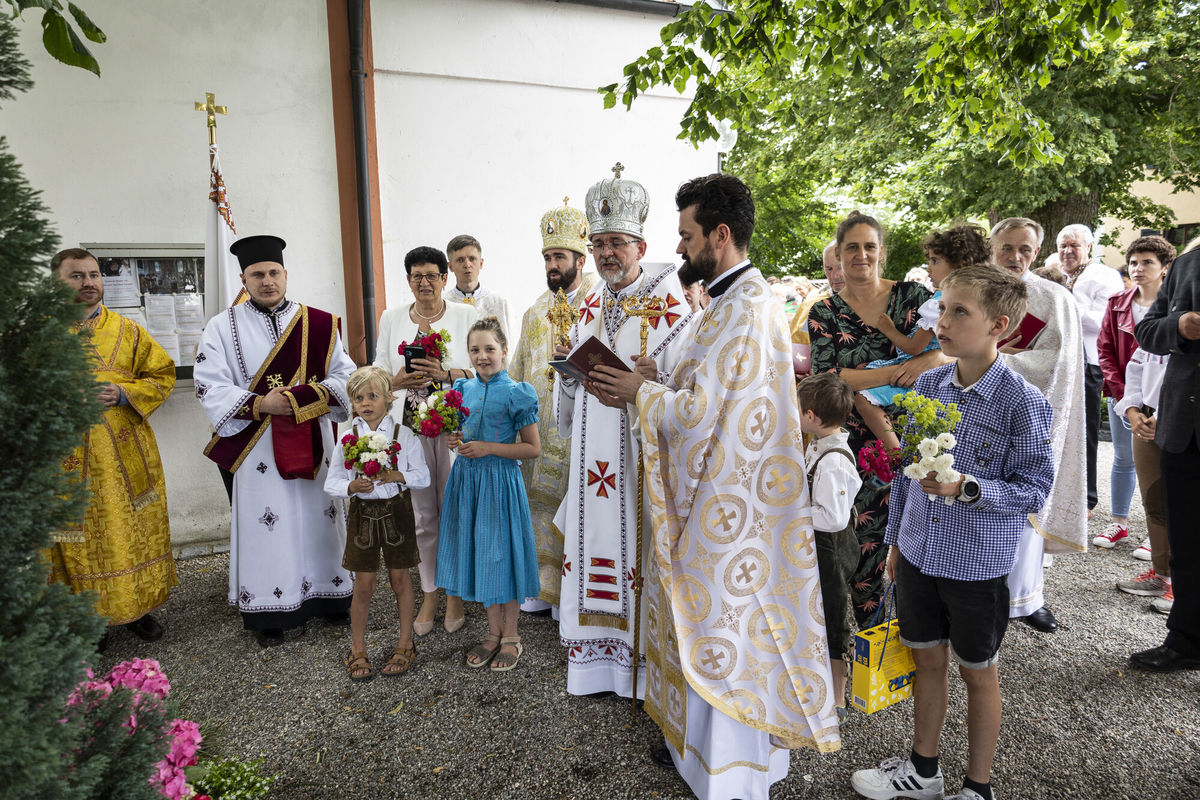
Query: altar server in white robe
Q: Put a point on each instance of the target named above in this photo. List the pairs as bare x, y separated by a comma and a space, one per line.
564, 250
1053, 362
739, 667
598, 515
271, 375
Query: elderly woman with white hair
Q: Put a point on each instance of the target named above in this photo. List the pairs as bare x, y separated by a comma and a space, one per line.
1092, 283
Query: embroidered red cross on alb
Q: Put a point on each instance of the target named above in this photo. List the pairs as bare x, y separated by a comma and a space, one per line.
591, 304
599, 477
668, 315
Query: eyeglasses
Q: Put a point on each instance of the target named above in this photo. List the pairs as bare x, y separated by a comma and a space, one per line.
430, 279
614, 246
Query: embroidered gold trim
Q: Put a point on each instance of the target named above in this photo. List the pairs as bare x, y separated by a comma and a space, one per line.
100, 576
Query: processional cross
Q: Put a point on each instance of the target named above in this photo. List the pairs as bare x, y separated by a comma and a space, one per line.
212, 109
646, 307
561, 316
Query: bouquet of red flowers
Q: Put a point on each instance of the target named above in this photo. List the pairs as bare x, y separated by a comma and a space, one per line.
879, 462
434, 342
370, 454
442, 413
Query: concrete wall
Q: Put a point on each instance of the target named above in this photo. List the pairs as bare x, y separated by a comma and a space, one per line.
488, 116
124, 159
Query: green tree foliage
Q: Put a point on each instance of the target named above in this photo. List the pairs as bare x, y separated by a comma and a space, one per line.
58, 34
950, 109
46, 633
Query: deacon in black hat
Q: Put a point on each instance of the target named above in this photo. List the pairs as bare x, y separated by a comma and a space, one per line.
263, 275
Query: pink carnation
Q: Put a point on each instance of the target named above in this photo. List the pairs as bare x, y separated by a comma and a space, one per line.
349, 439
371, 469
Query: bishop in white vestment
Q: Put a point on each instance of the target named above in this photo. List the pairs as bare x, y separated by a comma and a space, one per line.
1053, 362
271, 375
598, 515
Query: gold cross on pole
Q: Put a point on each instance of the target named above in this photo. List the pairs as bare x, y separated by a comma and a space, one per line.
212, 109
647, 307
561, 316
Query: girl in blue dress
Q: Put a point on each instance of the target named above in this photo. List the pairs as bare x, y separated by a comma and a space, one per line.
485, 543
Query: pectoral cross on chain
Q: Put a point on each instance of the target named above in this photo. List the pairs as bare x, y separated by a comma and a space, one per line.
647, 307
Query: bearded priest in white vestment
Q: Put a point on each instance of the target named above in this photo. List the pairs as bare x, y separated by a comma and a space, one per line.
564, 249
598, 515
737, 656
1052, 363
271, 375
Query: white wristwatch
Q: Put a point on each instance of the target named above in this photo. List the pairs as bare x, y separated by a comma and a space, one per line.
970, 491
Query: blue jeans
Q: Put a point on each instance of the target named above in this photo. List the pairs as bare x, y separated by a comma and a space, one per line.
1124, 475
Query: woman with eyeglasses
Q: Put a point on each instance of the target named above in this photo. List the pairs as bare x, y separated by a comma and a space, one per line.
412, 382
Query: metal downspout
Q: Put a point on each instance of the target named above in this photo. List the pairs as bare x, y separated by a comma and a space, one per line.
355, 11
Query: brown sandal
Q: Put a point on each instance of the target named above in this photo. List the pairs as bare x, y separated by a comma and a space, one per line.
357, 662
401, 660
481, 654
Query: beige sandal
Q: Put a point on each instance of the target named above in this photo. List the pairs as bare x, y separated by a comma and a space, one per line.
401, 660
357, 662
481, 655
503, 662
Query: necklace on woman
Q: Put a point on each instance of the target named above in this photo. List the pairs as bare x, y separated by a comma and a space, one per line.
429, 319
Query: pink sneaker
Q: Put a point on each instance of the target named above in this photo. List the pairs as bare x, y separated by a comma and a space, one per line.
1112, 534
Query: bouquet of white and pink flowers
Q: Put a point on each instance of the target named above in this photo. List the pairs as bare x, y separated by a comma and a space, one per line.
371, 454
442, 413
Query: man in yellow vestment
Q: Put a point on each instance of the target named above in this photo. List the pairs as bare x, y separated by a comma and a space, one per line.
122, 549
564, 250
736, 654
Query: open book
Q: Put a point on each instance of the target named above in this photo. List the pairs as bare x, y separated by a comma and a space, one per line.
587, 355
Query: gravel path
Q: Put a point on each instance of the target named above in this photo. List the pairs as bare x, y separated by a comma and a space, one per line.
1078, 722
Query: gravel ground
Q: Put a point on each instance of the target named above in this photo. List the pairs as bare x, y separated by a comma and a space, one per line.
1078, 722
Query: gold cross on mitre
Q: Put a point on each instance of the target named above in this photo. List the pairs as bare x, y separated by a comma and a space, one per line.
646, 306
212, 109
617, 167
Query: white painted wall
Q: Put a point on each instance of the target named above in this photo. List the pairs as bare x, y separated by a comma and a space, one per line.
488, 115
123, 159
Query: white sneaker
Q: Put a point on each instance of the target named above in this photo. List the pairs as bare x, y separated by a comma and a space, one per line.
1047, 560
1142, 553
897, 777
969, 794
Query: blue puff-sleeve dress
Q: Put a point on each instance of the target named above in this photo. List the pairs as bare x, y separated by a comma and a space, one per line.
485, 543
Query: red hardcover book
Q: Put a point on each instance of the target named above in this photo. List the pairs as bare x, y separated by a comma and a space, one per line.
1025, 334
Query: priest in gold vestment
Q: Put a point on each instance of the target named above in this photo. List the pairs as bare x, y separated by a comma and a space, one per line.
564, 249
737, 660
122, 549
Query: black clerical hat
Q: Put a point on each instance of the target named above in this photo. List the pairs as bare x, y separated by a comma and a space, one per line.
253, 249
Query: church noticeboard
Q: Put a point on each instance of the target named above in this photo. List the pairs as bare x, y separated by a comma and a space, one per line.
161, 287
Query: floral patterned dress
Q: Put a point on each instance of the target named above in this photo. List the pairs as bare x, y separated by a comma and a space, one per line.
840, 340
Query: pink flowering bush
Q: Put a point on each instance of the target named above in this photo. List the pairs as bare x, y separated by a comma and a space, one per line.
125, 717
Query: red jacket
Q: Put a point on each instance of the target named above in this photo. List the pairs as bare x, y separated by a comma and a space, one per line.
1116, 342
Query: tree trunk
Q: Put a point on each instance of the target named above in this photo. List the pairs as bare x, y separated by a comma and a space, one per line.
1057, 214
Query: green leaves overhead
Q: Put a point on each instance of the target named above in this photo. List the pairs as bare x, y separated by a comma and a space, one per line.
59, 37
972, 62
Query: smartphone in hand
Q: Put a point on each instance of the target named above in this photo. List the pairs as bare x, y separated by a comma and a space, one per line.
412, 351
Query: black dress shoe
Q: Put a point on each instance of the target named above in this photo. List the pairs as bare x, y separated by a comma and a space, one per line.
340, 619
1041, 620
147, 629
1163, 659
269, 637
661, 754
102, 645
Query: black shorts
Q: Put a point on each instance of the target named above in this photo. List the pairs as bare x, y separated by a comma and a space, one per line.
969, 616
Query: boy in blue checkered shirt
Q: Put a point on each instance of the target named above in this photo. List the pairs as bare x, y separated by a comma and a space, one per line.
950, 562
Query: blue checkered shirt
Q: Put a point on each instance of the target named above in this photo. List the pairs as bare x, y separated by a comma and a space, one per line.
1003, 441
